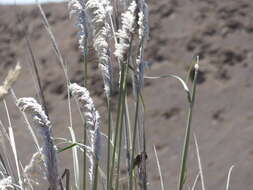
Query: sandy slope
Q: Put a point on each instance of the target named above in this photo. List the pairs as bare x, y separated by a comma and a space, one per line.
219, 31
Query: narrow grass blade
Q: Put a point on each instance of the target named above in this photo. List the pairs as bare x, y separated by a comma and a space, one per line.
51, 35
109, 133
199, 163
133, 143
4, 133
35, 67
183, 165
182, 82
229, 176
67, 174
159, 169
75, 160
68, 147
116, 132
195, 181
13, 146
29, 127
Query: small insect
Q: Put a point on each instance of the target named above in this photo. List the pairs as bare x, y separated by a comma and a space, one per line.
138, 159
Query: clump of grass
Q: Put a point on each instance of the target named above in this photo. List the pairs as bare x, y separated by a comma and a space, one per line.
118, 31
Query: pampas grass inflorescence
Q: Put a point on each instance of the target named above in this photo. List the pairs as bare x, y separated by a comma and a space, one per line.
124, 34
6, 183
11, 78
95, 14
93, 121
32, 171
77, 7
41, 121
100, 11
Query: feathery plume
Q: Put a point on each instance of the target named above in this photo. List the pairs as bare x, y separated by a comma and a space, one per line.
92, 22
49, 155
93, 121
102, 48
6, 183
124, 34
32, 171
143, 20
83, 22
139, 75
100, 10
143, 30
86, 104
9, 81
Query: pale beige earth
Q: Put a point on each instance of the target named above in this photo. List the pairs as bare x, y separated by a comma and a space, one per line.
221, 32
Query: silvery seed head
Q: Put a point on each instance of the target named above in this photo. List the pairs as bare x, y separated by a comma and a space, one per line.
124, 34
6, 183
93, 122
41, 121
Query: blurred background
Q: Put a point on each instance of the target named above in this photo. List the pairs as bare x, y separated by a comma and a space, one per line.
220, 32
22, 2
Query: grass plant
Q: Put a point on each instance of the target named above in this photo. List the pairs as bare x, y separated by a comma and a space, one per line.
118, 31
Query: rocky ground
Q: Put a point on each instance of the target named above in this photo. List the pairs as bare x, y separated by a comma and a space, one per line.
221, 32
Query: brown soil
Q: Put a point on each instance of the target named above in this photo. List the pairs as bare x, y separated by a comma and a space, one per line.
221, 32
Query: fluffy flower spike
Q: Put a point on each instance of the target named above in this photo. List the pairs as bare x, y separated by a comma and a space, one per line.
6, 183
93, 121
41, 121
77, 8
100, 11
124, 34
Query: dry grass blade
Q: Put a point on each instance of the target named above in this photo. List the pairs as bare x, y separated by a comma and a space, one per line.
159, 168
229, 176
9, 81
34, 65
51, 35
199, 163
66, 174
5, 136
13, 146
195, 181
75, 159
29, 127
182, 82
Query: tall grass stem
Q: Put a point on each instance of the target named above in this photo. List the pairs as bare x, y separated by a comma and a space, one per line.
183, 165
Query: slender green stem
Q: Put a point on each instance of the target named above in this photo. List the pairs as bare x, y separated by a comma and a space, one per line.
183, 166
119, 149
84, 156
117, 124
85, 124
133, 143
121, 125
143, 155
128, 136
109, 142
95, 181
